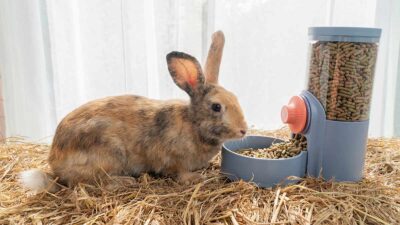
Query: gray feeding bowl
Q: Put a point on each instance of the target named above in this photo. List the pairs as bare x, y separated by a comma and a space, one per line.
261, 171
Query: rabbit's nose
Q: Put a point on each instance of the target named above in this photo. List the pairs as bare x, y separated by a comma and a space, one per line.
243, 132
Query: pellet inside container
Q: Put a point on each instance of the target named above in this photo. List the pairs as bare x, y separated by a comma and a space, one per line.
341, 76
285, 149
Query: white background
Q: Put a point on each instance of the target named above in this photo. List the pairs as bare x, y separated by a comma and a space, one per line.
57, 54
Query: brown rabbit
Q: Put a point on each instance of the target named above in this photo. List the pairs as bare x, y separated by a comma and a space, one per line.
127, 135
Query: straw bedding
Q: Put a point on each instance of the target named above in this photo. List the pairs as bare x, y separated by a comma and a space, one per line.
155, 200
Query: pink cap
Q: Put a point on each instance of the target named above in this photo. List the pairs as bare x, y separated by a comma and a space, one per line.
295, 114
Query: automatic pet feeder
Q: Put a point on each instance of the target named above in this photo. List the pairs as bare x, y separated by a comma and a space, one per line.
333, 113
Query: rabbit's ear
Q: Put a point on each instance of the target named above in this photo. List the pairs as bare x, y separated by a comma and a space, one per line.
186, 72
211, 69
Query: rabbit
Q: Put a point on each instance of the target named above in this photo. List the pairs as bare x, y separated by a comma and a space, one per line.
128, 135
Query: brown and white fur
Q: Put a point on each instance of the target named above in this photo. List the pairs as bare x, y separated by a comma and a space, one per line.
128, 135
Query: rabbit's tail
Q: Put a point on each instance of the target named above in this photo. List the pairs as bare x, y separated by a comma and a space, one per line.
38, 181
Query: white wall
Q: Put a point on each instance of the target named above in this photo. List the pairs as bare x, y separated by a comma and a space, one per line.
56, 55
387, 73
25, 70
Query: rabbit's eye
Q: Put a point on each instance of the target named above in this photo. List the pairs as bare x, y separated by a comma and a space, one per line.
216, 107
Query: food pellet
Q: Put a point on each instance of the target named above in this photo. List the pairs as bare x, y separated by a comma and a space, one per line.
340, 76
285, 149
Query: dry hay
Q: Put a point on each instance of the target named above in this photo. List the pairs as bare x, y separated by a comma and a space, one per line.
149, 200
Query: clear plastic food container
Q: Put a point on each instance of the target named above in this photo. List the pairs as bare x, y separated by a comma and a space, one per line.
341, 70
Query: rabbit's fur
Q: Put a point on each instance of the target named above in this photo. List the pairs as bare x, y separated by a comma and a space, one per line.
127, 135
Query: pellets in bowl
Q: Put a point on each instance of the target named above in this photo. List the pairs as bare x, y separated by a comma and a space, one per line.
279, 150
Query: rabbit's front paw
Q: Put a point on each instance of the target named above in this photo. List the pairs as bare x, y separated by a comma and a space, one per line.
190, 178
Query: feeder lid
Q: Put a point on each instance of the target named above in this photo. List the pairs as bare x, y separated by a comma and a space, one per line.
345, 34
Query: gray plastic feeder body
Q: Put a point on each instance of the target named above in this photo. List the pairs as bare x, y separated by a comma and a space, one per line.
263, 172
335, 148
